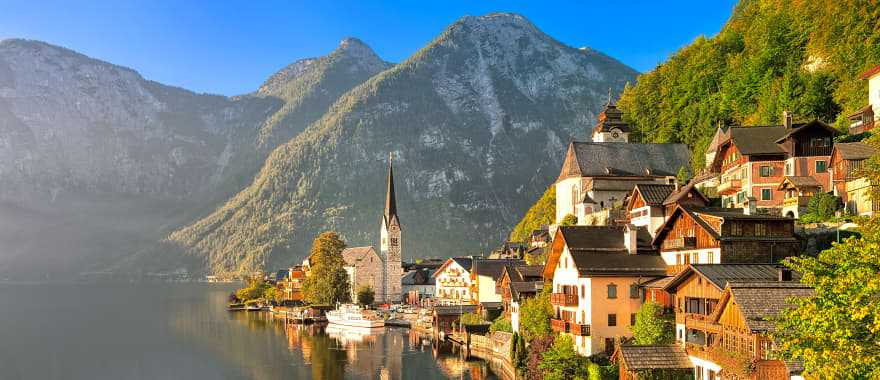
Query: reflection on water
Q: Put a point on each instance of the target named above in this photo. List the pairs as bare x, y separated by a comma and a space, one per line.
182, 331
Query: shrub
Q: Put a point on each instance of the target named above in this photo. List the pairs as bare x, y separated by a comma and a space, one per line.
501, 324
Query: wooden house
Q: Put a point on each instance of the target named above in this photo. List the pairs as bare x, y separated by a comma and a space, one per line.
518, 283
650, 204
797, 192
668, 361
847, 159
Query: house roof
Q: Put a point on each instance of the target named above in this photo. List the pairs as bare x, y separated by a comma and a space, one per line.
494, 267
654, 194
806, 126
657, 283
519, 289
454, 310
464, 261
757, 140
620, 263
761, 302
612, 159
601, 251
420, 276
670, 356
600, 238
799, 182
718, 138
855, 150
720, 275
682, 193
353, 255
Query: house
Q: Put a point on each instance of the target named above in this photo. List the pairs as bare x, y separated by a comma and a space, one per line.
649, 204
596, 176
539, 238
695, 235
846, 161
596, 272
289, 283
865, 119
697, 289
752, 161
452, 281
509, 250
726, 333
418, 284
797, 192
365, 269
445, 317
517, 283
485, 275
668, 361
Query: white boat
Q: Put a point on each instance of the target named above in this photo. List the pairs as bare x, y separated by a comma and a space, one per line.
353, 316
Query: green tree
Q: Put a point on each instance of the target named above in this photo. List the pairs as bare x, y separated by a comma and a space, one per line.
562, 362
569, 220
652, 326
822, 207
836, 331
501, 324
327, 282
365, 296
683, 176
535, 314
542, 213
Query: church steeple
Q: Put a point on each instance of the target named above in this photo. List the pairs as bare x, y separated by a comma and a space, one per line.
390, 217
610, 126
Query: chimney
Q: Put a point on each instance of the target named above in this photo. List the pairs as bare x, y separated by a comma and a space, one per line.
784, 274
786, 119
630, 239
751, 209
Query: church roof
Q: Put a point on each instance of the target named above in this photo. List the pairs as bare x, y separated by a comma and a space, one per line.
616, 159
354, 255
390, 217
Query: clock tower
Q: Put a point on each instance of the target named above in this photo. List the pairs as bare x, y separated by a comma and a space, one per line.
391, 244
611, 127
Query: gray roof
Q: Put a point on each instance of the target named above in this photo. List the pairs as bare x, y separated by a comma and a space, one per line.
681, 194
353, 255
855, 150
420, 276
454, 310
519, 289
601, 238
609, 159
671, 356
720, 274
466, 262
801, 182
622, 263
761, 302
494, 267
655, 194
757, 139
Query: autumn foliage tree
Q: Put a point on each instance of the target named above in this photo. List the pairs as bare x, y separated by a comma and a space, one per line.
327, 282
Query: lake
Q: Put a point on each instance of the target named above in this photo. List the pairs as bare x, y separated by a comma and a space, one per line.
182, 331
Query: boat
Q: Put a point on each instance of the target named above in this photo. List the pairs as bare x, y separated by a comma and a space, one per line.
236, 307
353, 316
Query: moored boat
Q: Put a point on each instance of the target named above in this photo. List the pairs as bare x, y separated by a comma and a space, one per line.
354, 316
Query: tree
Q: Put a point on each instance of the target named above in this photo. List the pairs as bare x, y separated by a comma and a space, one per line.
835, 332
501, 324
569, 220
682, 177
537, 347
822, 207
562, 362
327, 282
535, 314
542, 213
366, 296
652, 326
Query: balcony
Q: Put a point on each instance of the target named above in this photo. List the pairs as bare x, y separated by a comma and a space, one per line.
729, 186
680, 243
559, 325
799, 201
701, 322
579, 330
561, 299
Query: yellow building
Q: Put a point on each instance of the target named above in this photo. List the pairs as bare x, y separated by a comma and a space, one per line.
858, 197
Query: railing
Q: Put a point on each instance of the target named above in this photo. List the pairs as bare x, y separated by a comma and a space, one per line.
800, 201
729, 186
605, 217
701, 322
561, 299
579, 330
679, 243
559, 325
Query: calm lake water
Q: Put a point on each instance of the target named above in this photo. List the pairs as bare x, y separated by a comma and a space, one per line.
182, 331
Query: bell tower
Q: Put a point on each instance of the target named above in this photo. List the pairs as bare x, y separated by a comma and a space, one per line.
611, 127
391, 244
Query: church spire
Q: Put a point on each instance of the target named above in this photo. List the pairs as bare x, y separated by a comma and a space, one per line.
391, 197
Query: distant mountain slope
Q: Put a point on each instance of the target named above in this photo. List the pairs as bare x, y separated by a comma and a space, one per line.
98, 162
771, 56
477, 121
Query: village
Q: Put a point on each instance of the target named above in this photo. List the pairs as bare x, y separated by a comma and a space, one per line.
634, 229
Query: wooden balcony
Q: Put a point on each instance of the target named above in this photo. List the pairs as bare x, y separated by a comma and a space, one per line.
560, 299
559, 325
701, 322
686, 242
579, 330
799, 201
730, 186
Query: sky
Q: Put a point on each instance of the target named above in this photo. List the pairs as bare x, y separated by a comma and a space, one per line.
231, 47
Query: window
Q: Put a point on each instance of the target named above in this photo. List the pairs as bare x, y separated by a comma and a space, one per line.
760, 229
634, 291
695, 258
736, 229
678, 259
583, 291
820, 142
393, 242
766, 194
612, 291
741, 197
711, 258
766, 171
821, 166
632, 319
612, 320
788, 170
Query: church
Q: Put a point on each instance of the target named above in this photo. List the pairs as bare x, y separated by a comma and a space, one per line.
382, 271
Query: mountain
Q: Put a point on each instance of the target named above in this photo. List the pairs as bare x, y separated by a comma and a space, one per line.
477, 122
97, 162
771, 56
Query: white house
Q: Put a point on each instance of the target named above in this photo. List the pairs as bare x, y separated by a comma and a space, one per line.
452, 281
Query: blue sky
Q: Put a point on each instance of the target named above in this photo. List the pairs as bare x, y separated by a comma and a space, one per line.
230, 47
